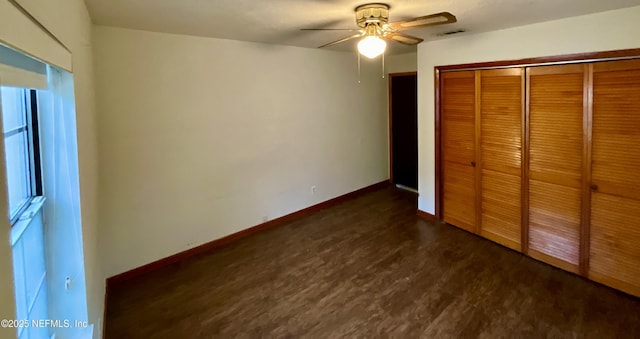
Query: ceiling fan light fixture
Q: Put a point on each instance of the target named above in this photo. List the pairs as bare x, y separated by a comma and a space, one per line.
371, 46
373, 19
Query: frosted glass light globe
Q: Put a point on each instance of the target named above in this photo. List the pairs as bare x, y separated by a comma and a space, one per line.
371, 46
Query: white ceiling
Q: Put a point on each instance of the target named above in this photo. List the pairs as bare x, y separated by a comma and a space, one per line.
279, 21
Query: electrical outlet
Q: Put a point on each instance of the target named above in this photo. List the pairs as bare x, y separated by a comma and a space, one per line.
313, 190
265, 218
67, 283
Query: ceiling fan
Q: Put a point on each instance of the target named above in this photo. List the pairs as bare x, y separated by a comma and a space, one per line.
374, 28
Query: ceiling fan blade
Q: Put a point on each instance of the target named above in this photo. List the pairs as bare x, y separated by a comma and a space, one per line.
330, 29
428, 20
403, 38
341, 40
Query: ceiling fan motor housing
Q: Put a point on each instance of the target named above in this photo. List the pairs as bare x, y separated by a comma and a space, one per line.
372, 13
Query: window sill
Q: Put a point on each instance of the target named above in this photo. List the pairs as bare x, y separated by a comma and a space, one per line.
25, 218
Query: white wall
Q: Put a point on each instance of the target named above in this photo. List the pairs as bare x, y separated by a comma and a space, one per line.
69, 21
202, 137
401, 63
590, 33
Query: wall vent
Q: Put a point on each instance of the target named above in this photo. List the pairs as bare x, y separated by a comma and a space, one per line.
458, 31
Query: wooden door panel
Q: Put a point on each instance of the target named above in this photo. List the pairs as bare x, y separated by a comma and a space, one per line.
498, 158
500, 108
554, 224
615, 242
501, 208
616, 126
501, 121
458, 117
458, 149
557, 112
614, 246
459, 195
556, 121
574, 180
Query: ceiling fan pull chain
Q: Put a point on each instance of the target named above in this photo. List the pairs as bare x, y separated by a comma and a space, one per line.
358, 67
382, 65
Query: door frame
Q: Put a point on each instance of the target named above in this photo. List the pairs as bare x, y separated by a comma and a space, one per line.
527, 62
390, 111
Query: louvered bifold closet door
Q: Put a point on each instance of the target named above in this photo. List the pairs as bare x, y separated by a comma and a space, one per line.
458, 149
556, 111
614, 255
501, 114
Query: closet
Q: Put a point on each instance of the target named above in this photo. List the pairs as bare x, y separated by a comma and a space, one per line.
544, 160
481, 148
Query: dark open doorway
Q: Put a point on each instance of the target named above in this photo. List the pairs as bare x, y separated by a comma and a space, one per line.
403, 129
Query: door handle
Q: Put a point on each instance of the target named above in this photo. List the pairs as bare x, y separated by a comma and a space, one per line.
594, 187
473, 163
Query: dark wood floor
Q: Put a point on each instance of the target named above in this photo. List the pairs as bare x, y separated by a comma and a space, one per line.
367, 267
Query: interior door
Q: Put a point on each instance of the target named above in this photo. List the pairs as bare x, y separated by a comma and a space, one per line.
501, 115
555, 174
404, 129
458, 150
614, 255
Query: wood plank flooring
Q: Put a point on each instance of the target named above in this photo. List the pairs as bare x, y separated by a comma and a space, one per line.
368, 267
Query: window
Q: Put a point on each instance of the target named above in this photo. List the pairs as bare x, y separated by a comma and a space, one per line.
24, 183
38, 115
20, 118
